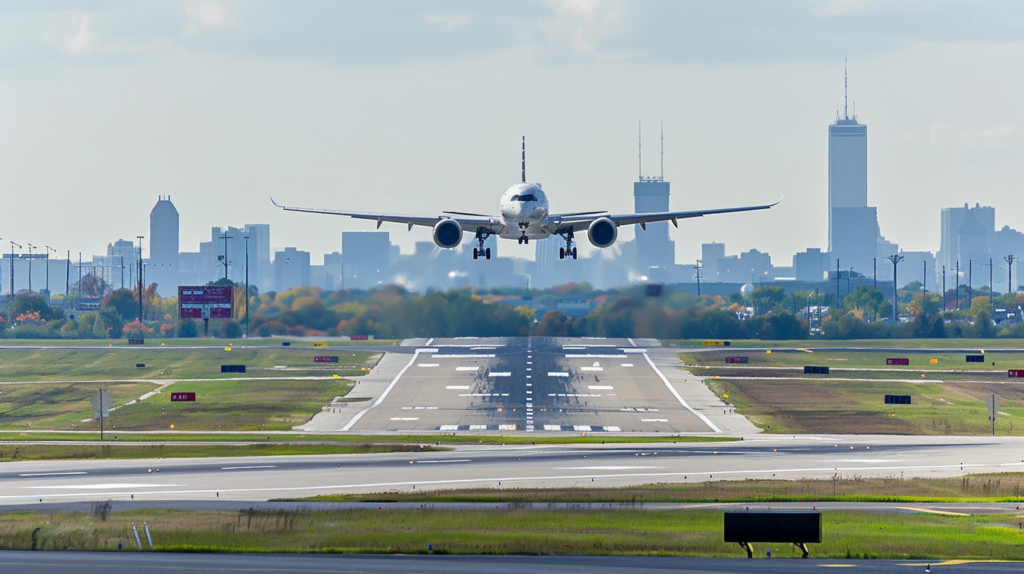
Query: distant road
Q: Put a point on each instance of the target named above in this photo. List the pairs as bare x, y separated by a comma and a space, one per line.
106, 562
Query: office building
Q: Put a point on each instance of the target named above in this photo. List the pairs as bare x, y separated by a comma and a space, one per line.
978, 223
163, 247
710, 253
367, 258
811, 265
291, 269
650, 195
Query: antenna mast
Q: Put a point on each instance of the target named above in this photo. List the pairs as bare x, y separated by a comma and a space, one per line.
663, 150
524, 159
846, 88
640, 149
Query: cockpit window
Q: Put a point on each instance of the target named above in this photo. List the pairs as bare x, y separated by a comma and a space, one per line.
515, 198
527, 197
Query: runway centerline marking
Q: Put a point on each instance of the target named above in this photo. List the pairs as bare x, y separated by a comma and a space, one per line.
248, 467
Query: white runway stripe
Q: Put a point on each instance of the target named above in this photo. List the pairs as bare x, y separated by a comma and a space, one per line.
600, 387
462, 356
457, 387
499, 375
467, 368
428, 365
553, 374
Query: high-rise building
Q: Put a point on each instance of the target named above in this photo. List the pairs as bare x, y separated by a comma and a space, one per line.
163, 247
367, 258
119, 267
710, 253
650, 195
291, 269
852, 225
980, 238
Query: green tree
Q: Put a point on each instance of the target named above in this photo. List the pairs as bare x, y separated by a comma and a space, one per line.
187, 329
31, 303
124, 302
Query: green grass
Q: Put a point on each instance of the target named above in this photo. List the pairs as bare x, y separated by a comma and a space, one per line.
919, 363
509, 531
909, 344
277, 436
119, 450
198, 342
1006, 487
58, 365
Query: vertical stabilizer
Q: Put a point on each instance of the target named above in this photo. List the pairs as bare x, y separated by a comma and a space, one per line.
524, 159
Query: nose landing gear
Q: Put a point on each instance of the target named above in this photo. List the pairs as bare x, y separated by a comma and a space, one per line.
481, 236
522, 228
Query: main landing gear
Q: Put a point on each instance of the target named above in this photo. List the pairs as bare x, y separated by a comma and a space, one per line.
568, 250
478, 252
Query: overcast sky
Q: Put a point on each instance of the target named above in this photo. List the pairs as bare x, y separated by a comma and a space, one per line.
419, 107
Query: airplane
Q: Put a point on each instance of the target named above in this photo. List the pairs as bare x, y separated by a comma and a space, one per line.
525, 214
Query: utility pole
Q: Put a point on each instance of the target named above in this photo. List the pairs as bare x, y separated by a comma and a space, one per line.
48, 250
697, 267
140, 276
957, 284
225, 237
67, 280
970, 283
12, 267
924, 283
122, 272
1010, 259
943, 288
874, 273
838, 274
991, 288
895, 258
247, 287
30, 248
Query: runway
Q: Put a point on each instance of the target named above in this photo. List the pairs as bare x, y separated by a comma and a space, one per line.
530, 384
104, 562
497, 466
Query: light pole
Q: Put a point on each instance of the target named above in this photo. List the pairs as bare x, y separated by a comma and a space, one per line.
895, 258
1010, 259
246, 286
48, 250
225, 237
30, 248
943, 288
12, 266
140, 276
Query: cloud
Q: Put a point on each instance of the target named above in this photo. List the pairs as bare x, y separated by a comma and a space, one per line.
208, 14
838, 7
447, 22
905, 138
84, 39
946, 137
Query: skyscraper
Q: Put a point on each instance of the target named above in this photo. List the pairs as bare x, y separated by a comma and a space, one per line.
852, 225
163, 247
651, 194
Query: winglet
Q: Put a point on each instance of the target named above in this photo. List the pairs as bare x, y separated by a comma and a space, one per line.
275, 203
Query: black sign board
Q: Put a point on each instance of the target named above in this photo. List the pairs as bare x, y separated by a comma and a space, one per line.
897, 399
736, 360
136, 341
975, 358
140, 365
183, 397
773, 527
902, 362
815, 370
232, 368
286, 344
325, 359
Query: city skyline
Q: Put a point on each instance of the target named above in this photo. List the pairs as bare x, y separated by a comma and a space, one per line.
212, 104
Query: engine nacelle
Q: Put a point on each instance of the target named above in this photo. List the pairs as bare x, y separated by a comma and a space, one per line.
603, 232
447, 233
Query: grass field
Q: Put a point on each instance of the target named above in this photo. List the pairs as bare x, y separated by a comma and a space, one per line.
510, 531
120, 450
772, 391
198, 342
277, 436
24, 365
1006, 487
909, 344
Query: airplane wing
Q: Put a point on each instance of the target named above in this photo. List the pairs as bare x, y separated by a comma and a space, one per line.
469, 222
581, 221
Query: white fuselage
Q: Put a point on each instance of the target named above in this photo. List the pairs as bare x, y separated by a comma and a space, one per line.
524, 209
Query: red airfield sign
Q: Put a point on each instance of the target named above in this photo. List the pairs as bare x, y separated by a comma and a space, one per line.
204, 302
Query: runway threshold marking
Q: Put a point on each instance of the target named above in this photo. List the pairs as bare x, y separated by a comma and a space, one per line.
675, 393
467, 368
359, 415
457, 387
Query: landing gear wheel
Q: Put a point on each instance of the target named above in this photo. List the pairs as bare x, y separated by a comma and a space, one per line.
487, 253
574, 253
561, 252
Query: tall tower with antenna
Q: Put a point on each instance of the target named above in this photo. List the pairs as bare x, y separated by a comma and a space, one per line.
654, 249
853, 232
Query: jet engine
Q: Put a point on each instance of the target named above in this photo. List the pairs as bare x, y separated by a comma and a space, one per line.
603, 232
447, 233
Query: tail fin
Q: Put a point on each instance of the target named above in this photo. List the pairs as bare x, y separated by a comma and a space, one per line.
524, 159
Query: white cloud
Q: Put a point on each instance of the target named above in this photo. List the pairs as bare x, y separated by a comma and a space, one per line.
205, 15
838, 7
944, 136
84, 39
447, 22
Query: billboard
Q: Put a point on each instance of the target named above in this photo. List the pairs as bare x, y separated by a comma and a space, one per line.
205, 302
